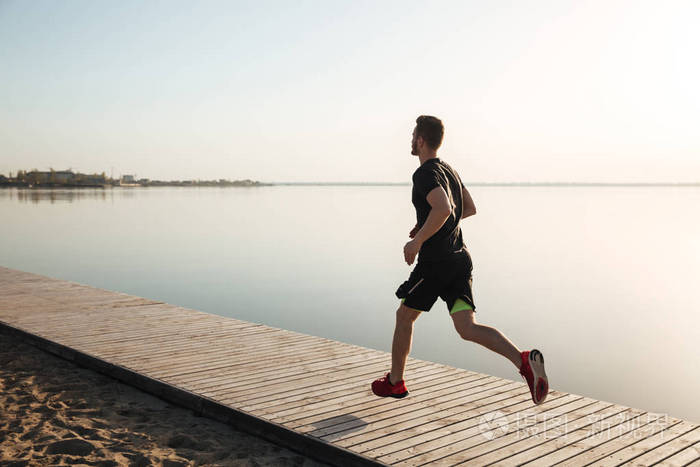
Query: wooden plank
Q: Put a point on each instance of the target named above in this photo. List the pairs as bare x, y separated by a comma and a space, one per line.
10, 301
492, 417
312, 404
495, 453
238, 360
294, 350
251, 376
467, 397
282, 413
210, 347
472, 392
137, 343
362, 413
379, 427
222, 374
629, 437
136, 318
530, 449
606, 436
318, 366
689, 456
71, 322
467, 450
155, 336
637, 448
134, 321
137, 351
305, 382
422, 379
306, 389
418, 392
144, 346
666, 450
71, 317
449, 417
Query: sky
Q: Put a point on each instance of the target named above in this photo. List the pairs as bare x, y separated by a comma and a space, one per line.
325, 90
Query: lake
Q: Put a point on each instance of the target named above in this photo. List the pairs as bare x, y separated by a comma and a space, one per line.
603, 280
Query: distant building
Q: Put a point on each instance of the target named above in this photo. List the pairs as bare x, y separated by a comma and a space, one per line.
61, 176
128, 180
36, 177
42, 176
93, 179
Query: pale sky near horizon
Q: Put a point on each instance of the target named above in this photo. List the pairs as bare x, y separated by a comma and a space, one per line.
329, 90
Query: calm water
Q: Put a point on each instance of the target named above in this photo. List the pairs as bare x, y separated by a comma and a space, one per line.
604, 280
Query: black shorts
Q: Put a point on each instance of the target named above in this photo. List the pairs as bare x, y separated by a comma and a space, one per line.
449, 279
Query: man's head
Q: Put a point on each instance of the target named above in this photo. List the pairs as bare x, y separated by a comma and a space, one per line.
427, 136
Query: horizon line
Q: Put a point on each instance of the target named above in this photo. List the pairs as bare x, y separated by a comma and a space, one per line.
498, 183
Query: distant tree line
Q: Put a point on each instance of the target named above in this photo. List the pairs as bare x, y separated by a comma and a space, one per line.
53, 178
67, 178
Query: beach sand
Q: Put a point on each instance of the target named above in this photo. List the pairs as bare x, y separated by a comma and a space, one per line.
53, 412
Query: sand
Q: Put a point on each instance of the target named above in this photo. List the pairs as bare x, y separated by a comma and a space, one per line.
53, 412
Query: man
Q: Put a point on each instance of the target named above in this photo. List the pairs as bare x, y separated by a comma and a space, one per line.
444, 268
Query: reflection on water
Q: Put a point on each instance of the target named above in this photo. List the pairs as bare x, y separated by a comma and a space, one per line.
51, 195
34, 195
601, 279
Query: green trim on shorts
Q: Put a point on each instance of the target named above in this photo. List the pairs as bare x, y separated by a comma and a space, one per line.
460, 305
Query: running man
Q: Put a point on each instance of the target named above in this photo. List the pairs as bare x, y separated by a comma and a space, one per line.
444, 268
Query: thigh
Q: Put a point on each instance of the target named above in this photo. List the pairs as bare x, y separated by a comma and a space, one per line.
463, 320
460, 284
407, 314
421, 290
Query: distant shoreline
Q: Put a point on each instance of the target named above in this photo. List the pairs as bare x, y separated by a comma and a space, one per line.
44, 186
359, 184
69, 179
525, 184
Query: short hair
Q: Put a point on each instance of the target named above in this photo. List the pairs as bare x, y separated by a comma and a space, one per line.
431, 130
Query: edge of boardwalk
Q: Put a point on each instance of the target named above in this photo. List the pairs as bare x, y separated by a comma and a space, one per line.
203, 406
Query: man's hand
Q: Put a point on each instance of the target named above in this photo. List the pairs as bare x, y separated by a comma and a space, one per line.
413, 232
410, 250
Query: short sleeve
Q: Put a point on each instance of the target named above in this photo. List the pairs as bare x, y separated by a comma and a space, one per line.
424, 181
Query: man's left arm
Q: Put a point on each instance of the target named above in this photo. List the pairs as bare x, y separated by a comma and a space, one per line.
440, 210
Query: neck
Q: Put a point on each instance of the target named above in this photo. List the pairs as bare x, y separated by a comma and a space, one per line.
427, 156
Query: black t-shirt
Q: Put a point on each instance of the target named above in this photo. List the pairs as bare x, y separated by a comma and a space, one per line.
448, 240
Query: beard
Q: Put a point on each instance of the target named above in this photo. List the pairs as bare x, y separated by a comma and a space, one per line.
414, 148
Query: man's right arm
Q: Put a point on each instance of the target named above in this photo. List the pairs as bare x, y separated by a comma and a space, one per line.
468, 208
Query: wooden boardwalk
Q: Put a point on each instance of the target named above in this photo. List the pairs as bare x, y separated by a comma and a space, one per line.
313, 394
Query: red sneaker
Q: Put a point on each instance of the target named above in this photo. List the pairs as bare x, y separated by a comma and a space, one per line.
383, 388
532, 369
